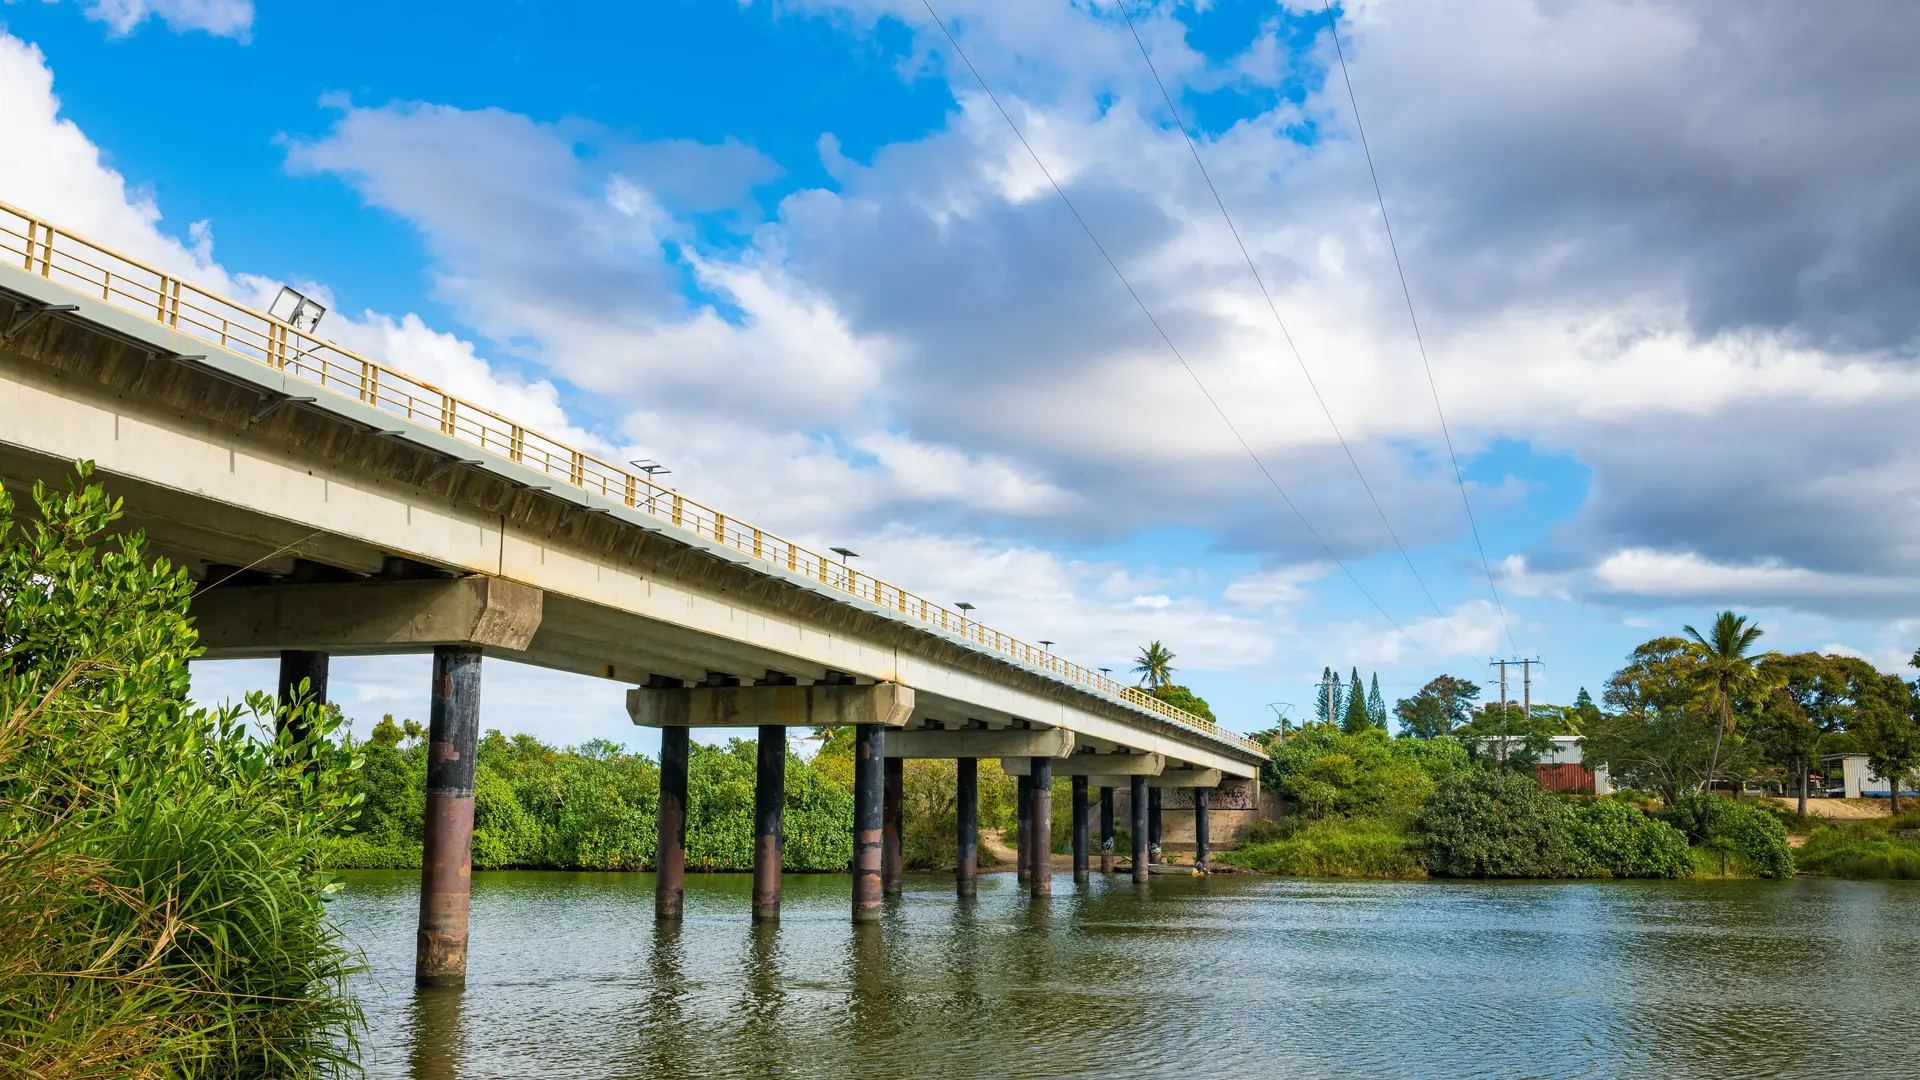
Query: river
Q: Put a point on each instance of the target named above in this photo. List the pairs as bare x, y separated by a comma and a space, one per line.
1231, 976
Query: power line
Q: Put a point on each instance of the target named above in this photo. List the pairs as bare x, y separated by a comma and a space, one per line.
1204, 392
1194, 149
1459, 478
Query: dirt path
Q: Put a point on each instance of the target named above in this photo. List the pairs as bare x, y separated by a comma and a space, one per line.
1841, 809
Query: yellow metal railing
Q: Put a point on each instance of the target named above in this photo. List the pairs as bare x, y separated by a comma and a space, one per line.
86, 267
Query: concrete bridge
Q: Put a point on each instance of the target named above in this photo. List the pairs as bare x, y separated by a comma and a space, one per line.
332, 506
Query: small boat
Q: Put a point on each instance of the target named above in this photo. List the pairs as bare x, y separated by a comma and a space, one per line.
1175, 869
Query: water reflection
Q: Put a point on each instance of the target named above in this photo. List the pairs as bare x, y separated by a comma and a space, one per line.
1196, 978
434, 1034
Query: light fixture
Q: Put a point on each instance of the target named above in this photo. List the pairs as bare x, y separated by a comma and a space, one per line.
296, 310
844, 554
1045, 644
649, 466
964, 606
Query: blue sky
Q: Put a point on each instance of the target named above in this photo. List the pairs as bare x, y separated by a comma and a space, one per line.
790, 250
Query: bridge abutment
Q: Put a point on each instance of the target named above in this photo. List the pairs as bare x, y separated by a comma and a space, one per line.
446, 868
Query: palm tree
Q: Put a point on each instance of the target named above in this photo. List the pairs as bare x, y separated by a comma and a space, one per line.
1154, 665
1725, 666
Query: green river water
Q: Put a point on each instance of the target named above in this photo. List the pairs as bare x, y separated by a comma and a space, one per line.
1231, 976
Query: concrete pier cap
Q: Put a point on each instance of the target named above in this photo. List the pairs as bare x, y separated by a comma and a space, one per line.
969, 743
884, 704
367, 616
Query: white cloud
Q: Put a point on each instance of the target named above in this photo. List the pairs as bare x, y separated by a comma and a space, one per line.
221, 18
1688, 576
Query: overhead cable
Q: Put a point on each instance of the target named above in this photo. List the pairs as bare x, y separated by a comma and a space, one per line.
1201, 385
1459, 478
1286, 334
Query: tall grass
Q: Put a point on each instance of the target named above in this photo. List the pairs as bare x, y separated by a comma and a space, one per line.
159, 911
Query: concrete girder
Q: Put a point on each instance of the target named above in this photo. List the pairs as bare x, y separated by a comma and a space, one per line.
595, 665
622, 652
964, 743
365, 617
1171, 778
601, 623
819, 705
1095, 765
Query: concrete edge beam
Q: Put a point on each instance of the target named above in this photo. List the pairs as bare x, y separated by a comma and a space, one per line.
366, 616
1092, 765
970, 743
886, 704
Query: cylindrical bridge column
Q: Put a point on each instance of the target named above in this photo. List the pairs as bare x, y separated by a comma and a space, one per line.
1040, 826
670, 851
446, 865
1137, 807
1081, 869
1154, 853
769, 820
894, 812
1023, 829
300, 666
966, 870
1202, 839
1106, 829
869, 751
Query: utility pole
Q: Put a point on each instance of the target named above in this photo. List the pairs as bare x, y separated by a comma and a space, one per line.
1504, 718
1327, 681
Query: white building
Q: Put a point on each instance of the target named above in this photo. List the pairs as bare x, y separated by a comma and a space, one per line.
1850, 777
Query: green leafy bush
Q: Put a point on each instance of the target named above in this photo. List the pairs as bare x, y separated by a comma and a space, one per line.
1324, 771
1329, 849
1611, 838
161, 915
1859, 849
1736, 837
1494, 824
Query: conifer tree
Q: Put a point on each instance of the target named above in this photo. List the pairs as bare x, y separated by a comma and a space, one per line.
1376, 705
1356, 719
1330, 711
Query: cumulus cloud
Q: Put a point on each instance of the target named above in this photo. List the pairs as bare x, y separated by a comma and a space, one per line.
221, 18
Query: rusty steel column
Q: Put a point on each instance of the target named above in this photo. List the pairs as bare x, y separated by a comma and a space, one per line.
769, 820
1082, 870
670, 852
869, 752
894, 811
1202, 841
1137, 810
296, 666
1023, 830
1040, 829
446, 865
1106, 829
966, 870
1153, 826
